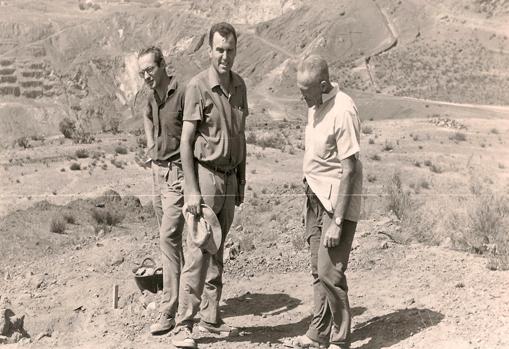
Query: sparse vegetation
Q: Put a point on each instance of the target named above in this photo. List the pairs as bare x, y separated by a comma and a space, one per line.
367, 130
107, 216
458, 137
67, 127
23, 142
81, 153
388, 146
57, 225
120, 149
375, 157
75, 166
398, 201
69, 217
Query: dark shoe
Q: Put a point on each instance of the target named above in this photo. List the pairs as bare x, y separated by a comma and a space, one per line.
219, 328
183, 338
164, 324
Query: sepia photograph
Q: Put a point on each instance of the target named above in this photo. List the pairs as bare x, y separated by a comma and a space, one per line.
241, 174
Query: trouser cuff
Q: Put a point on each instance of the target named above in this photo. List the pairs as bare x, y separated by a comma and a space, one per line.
314, 335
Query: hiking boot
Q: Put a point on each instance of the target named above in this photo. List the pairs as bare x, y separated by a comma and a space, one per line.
164, 324
219, 328
183, 338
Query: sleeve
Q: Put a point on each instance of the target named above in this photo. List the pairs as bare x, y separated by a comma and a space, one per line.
182, 99
193, 105
347, 133
245, 106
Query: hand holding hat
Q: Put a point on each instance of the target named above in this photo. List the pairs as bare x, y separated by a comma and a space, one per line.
204, 230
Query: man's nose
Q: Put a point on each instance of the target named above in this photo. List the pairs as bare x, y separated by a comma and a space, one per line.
145, 74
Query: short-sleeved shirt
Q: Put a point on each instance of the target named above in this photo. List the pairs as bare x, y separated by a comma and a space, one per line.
220, 138
166, 115
332, 135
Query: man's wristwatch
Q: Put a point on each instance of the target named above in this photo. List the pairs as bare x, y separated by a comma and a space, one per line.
338, 221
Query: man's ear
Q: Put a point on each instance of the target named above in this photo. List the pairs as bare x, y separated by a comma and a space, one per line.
324, 86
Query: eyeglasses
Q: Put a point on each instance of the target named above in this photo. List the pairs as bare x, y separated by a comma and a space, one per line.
148, 70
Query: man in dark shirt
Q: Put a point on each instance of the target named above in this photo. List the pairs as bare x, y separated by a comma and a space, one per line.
214, 163
162, 118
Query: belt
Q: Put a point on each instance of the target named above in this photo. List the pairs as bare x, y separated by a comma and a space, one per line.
218, 169
165, 163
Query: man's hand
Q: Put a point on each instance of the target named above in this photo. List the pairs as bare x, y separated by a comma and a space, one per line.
239, 198
193, 202
332, 235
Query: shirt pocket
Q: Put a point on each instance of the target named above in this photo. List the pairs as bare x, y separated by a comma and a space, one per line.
238, 120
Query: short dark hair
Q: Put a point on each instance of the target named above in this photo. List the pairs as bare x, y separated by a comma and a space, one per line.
158, 54
224, 29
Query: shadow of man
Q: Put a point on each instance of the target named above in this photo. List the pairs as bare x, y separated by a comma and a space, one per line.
384, 331
259, 304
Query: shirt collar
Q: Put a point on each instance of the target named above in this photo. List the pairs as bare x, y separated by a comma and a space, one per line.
332, 93
172, 87
214, 78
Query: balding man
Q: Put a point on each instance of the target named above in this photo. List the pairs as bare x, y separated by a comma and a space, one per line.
333, 177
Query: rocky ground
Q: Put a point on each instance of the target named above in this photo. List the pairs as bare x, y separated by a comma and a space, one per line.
403, 296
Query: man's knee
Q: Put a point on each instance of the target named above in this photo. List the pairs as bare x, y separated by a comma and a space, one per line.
331, 274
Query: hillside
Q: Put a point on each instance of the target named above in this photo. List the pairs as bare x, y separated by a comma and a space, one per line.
58, 59
430, 260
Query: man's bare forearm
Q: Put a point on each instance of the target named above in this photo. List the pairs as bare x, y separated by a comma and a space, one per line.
149, 127
187, 156
346, 186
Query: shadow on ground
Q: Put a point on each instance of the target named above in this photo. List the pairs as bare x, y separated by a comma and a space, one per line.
263, 304
259, 304
384, 331
380, 331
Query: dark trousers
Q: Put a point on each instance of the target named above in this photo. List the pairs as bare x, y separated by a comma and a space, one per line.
331, 321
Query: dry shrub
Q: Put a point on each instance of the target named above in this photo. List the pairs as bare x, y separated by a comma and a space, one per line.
458, 137
57, 225
121, 150
398, 201
67, 127
69, 218
367, 130
75, 166
81, 154
477, 223
107, 216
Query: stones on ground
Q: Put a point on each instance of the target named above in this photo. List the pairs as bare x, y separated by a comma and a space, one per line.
42, 335
115, 259
11, 326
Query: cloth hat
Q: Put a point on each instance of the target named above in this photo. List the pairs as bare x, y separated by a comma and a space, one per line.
205, 230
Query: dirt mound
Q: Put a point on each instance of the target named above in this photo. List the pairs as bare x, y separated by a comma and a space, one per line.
47, 228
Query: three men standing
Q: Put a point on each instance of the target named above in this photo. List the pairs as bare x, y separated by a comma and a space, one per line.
214, 162
333, 177
209, 128
162, 119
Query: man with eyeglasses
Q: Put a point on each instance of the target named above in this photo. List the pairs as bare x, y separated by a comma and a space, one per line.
162, 119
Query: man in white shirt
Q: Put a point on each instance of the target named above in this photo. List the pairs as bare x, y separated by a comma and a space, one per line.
333, 177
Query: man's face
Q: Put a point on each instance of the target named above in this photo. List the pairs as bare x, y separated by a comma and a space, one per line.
310, 88
222, 53
149, 71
